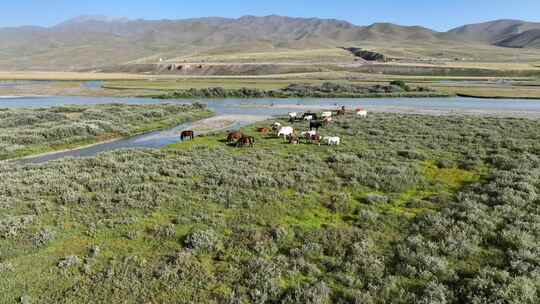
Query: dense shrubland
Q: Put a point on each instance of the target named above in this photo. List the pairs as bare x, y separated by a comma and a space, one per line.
410, 209
28, 131
325, 90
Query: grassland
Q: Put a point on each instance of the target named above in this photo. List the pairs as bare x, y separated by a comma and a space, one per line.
33, 131
409, 209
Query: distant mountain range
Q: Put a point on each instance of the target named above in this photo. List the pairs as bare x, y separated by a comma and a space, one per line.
90, 41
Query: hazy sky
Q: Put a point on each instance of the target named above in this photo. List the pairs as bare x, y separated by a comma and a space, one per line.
436, 14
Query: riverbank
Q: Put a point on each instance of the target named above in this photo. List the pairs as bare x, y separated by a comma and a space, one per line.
33, 132
497, 97
159, 85
395, 89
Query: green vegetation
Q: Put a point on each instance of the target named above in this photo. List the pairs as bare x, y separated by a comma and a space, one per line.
325, 90
25, 132
409, 209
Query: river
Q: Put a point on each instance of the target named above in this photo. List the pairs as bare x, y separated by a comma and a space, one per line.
240, 112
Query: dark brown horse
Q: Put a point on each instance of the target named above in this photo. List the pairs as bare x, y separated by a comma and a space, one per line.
316, 139
187, 134
234, 136
246, 141
342, 111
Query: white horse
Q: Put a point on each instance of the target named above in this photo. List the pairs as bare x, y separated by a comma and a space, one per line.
333, 141
285, 131
276, 126
361, 113
310, 133
326, 114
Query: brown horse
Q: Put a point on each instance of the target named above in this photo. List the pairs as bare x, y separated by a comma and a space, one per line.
263, 130
327, 121
187, 134
234, 136
316, 139
246, 141
293, 139
342, 111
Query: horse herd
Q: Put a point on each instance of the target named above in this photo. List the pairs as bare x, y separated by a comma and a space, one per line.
289, 134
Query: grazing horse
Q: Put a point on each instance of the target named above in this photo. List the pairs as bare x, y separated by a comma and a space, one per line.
326, 114
293, 116
327, 121
361, 113
285, 131
307, 135
333, 141
263, 130
234, 136
246, 141
307, 114
315, 125
187, 134
342, 111
293, 139
316, 138
276, 126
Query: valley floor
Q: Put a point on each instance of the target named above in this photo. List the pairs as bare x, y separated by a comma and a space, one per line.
129, 85
409, 209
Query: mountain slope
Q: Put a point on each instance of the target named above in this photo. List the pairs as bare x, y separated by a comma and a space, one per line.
94, 41
89, 41
527, 39
495, 32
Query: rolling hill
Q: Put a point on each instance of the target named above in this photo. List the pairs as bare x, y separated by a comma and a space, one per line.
505, 33
95, 41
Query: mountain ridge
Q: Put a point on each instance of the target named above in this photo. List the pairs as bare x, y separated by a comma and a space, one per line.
94, 40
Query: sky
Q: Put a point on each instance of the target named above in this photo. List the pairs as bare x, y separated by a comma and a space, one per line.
436, 14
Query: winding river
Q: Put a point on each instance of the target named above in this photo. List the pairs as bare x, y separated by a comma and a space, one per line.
240, 112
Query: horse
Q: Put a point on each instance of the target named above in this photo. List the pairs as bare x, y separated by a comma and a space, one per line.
327, 121
276, 126
187, 134
293, 139
285, 131
325, 115
316, 138
333, 141
315, 125
361, 113
293, 116
313, 116
245, 141
307, 135
263, 130
342, 111
234, 136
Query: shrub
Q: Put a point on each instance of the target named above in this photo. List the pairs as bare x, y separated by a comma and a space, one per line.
203, 240
376, 199
69, 261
